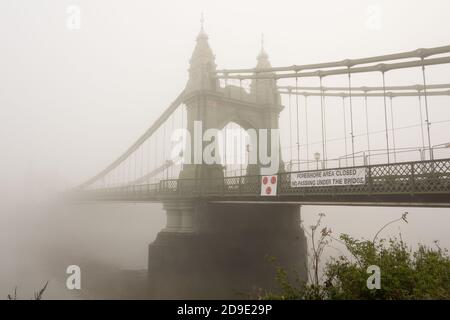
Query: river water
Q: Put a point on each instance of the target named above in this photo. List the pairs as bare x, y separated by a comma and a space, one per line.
37, 240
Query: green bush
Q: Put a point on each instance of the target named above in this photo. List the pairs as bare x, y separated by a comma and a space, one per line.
422, 273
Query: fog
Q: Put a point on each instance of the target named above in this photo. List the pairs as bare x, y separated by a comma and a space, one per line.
71, 101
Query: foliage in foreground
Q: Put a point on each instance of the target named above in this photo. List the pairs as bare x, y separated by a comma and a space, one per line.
423, 273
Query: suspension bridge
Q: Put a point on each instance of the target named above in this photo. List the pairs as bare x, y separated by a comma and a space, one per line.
338, 118
413, 175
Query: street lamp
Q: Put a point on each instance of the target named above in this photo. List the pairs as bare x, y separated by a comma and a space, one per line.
440, 146
167, 165
317, 158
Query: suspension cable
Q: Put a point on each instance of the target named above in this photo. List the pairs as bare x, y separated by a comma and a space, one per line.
421, 120
130, 169
172, 167
124, 173
227, 88
182, 128
142, 159
135, 155
290, 125
156, 150
306, 129
385, 117
256, 88
241, 146
121, 174
164, 147
393, 129
367, 124
322, 124
225, 130
351, 115
426, 109
298, 127
236, 150
240, 89
325, 126
149, 157
345, 131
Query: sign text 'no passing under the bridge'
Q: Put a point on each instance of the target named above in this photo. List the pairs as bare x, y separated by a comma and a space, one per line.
325, 178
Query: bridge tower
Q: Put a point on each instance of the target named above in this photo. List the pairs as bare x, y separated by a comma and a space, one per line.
220, 250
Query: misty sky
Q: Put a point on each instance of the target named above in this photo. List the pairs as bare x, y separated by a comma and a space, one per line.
72, 100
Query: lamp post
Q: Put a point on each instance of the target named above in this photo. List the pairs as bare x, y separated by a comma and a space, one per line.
441, 146
168, 163
317, 158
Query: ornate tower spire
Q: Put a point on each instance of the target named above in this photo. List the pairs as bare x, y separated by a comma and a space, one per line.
264, 89
202, 22
262, 41
263, 57
202, 63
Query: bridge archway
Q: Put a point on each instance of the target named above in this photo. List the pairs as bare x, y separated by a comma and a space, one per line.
213, 110
234, 147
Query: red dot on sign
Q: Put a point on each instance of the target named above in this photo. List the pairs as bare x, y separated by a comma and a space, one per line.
273, 180
265, 180
268, 190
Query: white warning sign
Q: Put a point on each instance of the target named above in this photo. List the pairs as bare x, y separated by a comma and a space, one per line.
332, 177
269, 185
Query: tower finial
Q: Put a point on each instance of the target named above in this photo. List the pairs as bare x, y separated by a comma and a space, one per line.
262, 42
202, 22
262, 56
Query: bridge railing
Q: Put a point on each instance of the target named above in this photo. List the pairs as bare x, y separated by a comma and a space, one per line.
409, 177
420, 177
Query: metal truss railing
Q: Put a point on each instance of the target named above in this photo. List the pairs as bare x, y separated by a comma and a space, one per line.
412, 178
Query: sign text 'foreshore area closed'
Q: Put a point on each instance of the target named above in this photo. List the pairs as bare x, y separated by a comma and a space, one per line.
324, 178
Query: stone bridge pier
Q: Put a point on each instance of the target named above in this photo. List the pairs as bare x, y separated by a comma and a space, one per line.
225, 251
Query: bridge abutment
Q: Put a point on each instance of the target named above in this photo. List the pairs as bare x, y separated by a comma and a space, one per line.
173, 218
179, 217
223, 250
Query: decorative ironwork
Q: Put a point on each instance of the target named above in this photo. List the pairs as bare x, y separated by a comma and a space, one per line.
413, 178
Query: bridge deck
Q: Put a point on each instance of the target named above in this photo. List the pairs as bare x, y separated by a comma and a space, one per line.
421, 183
